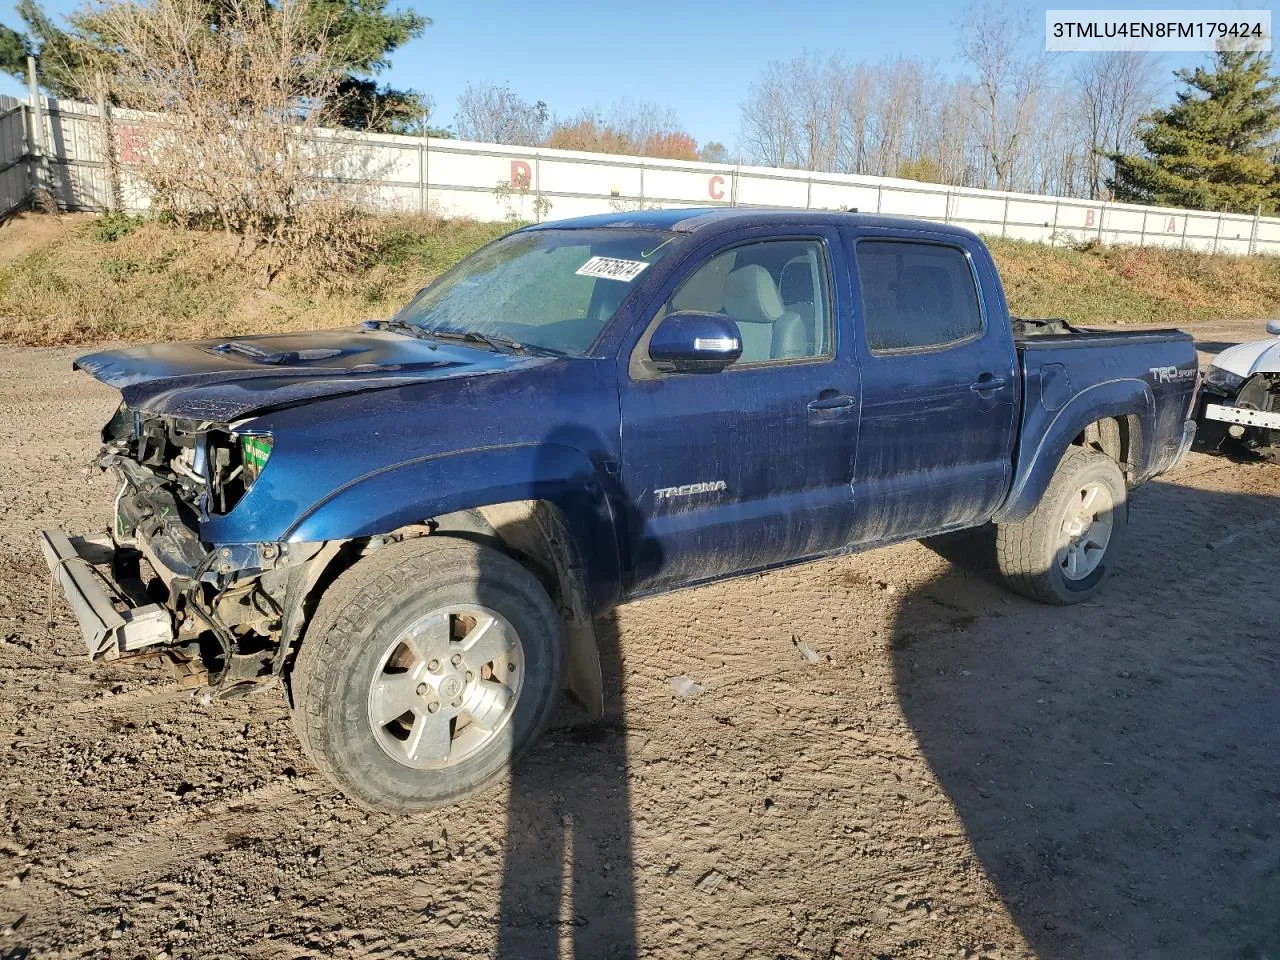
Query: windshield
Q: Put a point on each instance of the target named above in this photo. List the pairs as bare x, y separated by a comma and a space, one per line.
552, 289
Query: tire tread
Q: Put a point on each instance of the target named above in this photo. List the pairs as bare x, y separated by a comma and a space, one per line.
1022, 547
358, 593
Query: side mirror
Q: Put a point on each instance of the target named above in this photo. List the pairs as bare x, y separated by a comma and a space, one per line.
1273, 327
693, 342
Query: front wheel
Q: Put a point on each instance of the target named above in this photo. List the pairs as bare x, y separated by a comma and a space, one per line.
429, 666
1063, 551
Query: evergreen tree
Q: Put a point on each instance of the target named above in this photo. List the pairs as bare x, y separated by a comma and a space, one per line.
364, 30
1215, 148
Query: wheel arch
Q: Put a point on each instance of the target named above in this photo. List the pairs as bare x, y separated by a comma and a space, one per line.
1115, 418
545, 505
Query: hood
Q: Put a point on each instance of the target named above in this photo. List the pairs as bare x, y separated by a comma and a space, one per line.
1246, 359
223, 380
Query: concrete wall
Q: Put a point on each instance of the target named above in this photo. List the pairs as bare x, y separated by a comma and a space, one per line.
492, 182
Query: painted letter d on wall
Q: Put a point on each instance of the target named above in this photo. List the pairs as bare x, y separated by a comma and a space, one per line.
521, 175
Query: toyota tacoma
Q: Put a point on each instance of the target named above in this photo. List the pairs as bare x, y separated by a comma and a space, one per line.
414, 523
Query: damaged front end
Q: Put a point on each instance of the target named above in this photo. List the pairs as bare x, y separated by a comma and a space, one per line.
223, 614
1241, 412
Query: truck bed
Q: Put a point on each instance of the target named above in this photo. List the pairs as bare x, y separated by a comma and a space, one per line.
1033, 333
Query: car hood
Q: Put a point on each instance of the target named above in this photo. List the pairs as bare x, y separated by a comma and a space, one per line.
1246, 359
224, 380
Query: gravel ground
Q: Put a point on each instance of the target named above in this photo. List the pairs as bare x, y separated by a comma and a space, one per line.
961, 773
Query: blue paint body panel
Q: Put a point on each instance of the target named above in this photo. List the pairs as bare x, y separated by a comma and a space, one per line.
671, 480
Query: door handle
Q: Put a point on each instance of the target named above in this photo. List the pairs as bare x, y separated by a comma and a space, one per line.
837, 402
986, 383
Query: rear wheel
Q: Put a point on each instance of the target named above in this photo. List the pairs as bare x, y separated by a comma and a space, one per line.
1063, 551
429, 666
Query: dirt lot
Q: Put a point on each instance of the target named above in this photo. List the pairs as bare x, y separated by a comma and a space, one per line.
962, 774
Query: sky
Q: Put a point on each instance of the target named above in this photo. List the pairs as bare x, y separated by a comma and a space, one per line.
697, 57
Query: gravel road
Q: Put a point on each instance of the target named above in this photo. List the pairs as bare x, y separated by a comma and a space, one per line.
961, 773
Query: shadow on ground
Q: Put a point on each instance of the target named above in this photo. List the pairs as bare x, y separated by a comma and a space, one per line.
568, 887
1119, 777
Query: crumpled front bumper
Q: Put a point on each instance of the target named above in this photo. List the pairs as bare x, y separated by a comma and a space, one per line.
111, 622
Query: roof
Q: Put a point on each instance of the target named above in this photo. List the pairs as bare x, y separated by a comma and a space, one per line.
694, 219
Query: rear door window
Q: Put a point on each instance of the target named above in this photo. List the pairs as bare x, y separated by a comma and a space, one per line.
916, 296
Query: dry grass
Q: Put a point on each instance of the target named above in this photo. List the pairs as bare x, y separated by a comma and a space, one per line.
1106, 285
84, 279
90, 279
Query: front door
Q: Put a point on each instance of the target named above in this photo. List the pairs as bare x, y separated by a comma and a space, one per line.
939, 387
749, 466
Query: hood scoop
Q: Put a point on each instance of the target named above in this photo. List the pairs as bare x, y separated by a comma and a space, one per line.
258, 355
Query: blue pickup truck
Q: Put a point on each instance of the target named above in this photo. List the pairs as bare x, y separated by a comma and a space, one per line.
415, 523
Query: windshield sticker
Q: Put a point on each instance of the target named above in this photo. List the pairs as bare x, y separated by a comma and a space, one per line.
611, 268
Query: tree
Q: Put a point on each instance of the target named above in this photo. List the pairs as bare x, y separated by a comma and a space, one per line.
367, 34
589, 134
239, 144
922, 169
994, 42
361, 34
1215, 148
1115, 90
59, 64
497, 114
643, 129
670, 145
714, 152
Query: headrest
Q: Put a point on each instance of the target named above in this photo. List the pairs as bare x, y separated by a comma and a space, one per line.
751, 297
705, 289
796, 283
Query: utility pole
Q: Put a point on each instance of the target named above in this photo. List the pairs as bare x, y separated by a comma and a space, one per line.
39, 169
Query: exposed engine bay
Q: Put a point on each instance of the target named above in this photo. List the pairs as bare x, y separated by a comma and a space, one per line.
227, 606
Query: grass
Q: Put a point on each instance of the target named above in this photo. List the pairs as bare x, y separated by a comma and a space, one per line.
1097, 285
85, 279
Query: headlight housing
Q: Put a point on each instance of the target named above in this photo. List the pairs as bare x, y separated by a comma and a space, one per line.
235, 461
1223, 381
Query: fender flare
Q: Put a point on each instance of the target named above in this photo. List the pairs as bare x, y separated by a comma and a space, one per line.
1114, 398
587, 562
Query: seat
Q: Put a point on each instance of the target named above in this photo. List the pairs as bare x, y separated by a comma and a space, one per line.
769, 331
795, 287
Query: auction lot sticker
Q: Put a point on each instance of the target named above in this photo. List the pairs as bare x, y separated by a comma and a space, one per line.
612, 268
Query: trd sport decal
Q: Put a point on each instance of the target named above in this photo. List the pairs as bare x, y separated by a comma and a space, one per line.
1171, 374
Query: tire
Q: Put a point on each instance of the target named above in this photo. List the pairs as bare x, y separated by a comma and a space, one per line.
1035, 555
386, 635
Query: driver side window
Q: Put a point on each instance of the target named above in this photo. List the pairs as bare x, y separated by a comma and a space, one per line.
776, 292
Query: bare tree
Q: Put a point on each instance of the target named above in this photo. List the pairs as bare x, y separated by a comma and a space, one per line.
241, 142
1015, 124
497, 114
770, 128
1115, 90
996, 43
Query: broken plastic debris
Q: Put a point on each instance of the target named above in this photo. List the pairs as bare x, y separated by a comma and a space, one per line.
685, 687
710, 881
806, 651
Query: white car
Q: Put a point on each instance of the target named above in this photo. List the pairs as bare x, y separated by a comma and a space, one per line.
1240, 399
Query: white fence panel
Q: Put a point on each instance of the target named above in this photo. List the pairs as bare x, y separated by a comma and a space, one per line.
494, 182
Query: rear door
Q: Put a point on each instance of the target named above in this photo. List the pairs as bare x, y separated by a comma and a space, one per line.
752, 465
939, 387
